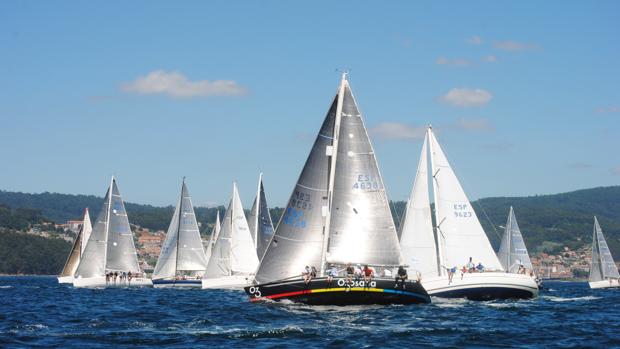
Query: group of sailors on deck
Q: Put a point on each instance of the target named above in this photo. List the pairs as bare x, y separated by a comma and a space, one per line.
355, 273
123, 276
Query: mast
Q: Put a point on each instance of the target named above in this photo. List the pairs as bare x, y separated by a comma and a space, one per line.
332, 171
176, 260
260, 181
436, 211
107, 225
509, 236
232, 226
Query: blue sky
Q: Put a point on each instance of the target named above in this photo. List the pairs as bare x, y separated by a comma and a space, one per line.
525, 96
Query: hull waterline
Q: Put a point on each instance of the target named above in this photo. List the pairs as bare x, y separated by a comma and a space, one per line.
610, 283
100, 282
359, 292
482, 286
168, 283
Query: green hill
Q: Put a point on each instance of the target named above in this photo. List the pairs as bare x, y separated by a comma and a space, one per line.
548, 222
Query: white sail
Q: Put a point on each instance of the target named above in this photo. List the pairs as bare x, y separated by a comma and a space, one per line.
87, 228
603, 265
459, 233
79, 244
121, 251
214, 233
416, 234
259, 220
243, 253
512, 251
233, 251
360, 225
182, 250
110, 246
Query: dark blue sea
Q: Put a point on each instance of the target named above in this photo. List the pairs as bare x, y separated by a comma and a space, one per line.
38, 312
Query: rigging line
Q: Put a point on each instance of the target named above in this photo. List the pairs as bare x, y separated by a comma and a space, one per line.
489, 219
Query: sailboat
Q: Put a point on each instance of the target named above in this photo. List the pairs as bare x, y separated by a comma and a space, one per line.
213, 238
456, 239
110, 250
182, 259
68, 271
259, 220
233, 260
337, 215
603, 270
512, 251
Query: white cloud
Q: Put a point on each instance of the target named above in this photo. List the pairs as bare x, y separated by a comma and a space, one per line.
579, 165
457, 62
489, 59
473, 124
607, 110
397, 131
465, 97
175, 84
513, 46
474, 40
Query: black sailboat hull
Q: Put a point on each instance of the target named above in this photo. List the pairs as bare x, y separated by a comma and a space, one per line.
338, 292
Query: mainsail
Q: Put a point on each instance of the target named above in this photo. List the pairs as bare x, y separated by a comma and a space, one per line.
213, 238
338, 211
361, 227
110, 246
512, 251
233, 252
416, 231
78, 247
259, 220
459, 233
182, 250
603, 266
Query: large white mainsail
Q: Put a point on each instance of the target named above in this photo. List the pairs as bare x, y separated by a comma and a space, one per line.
213, 238
233, 252
512, 251
182, 250
416, 231
603, 266
110, 246
338, 211
68, 271
259, 220
459, 233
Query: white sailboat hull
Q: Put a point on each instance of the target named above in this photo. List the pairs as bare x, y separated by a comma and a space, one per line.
228, 282
65, 279
100, 281
482, 286
604, 283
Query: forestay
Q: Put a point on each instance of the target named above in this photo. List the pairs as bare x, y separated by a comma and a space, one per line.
512, 251
417, 240
459, 233
603, 266
361, 229
93, 261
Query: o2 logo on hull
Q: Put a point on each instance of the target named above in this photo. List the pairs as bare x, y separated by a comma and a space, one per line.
255, 292
356, 283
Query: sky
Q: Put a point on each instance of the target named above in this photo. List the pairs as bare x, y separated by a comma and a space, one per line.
524, 96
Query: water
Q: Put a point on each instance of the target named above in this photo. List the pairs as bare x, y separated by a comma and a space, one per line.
36, 311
